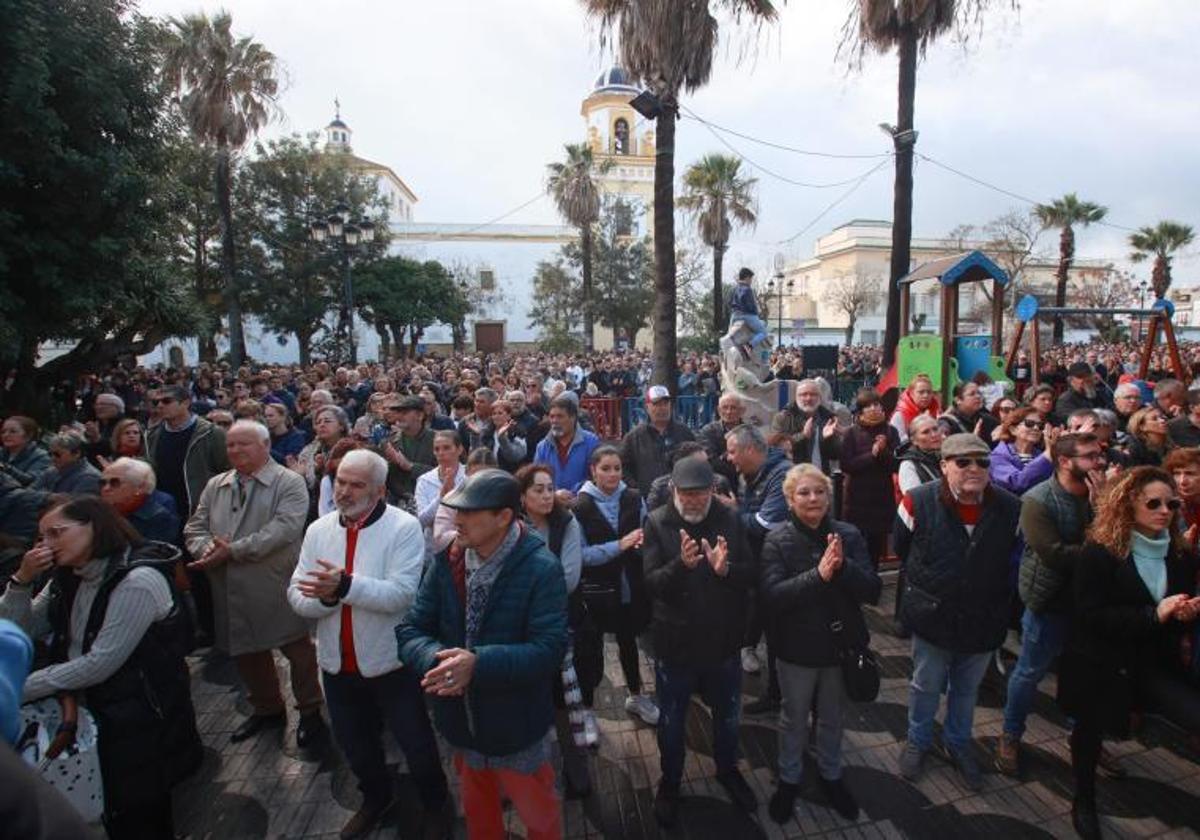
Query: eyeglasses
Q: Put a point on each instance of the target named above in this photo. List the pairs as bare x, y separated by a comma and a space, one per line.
162, 400
1032, 424
56, 531
110, 482
1155, 504
982, 462
1004, 409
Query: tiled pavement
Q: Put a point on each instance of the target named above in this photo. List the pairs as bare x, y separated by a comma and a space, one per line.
268, 788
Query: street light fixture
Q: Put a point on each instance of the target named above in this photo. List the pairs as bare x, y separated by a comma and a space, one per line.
338, 229
776, 285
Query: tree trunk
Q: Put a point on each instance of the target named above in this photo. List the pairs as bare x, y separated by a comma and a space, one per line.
1160, 277
385, 343
1066, 252
233, 300
903, 191
718, 262
206, 347
304, 343
664, 247
585, 245
850, 332
414, 336
398, 340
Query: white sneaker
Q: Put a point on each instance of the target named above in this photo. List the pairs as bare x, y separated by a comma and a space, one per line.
643, 707
591, 732
750, 663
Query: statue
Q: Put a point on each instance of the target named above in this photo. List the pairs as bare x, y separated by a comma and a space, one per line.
749, 376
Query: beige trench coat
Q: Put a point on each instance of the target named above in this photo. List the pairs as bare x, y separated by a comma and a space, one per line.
250, 607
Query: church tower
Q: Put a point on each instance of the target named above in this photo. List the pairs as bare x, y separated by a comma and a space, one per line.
617, 134
337, 133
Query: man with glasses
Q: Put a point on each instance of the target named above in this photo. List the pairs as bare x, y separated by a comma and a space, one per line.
955, 536
128, 485
1126, 400
1054, 519
71, 473
186, 451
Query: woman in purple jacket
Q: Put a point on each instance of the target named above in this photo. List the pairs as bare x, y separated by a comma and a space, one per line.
1021, 460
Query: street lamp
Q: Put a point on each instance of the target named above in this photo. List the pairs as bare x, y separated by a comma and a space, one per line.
775, 285
1142, 286
347, 235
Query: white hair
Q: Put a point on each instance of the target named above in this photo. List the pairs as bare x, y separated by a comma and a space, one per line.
113, 398
253, 425
1127, 388
375, 466
139, 471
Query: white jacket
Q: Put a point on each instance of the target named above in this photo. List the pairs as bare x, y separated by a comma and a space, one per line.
387, 571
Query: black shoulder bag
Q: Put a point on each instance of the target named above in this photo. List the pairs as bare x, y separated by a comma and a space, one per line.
860, 668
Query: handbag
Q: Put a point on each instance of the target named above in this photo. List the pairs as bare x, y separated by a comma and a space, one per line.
860, 668
58, 739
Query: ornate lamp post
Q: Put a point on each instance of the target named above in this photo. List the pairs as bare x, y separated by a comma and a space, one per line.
346, 236
775, 285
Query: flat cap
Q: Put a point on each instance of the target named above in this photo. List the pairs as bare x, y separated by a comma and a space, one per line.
490, 489
964, 444
692, 474
410, 403
1080, 370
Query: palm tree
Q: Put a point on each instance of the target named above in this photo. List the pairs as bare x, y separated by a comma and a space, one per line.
909, 27
1066, 213
1160, 242
577, 197
226, 90
668, 45
718, 196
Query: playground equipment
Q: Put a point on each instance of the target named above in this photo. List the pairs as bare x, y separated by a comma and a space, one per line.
1158, 316
948, 357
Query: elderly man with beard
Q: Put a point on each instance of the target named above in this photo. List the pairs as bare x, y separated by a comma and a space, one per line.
358, 574
955, 536
567, 448
699, 568
1080, 393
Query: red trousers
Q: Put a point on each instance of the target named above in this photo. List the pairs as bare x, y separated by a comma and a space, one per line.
533, 795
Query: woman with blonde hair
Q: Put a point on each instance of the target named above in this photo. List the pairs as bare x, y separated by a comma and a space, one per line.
816, 574
1133, 587
1149, 441
128, 440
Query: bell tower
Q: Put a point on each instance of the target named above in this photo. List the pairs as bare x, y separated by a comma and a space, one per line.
337, 133
618, 136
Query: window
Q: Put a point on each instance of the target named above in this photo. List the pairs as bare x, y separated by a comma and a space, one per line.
621, 137
487, 279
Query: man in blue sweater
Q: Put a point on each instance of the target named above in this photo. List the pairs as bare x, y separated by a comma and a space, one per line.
743, 307
567, 448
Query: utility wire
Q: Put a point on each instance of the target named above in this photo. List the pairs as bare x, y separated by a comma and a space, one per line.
737, 153
858, 183
713, 126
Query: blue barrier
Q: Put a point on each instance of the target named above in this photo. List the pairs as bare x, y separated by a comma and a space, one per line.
692, 411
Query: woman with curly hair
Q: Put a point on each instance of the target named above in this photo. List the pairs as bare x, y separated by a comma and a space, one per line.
1133, 588
1148, 438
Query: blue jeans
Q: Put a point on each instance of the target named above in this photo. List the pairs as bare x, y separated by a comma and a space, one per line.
721, 688
358, 708
1042, 638
753, 322
937, 670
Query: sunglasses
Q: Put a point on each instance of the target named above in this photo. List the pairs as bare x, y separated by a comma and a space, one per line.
1033, 424
110, 482
162, 401
983, 462
1155, 504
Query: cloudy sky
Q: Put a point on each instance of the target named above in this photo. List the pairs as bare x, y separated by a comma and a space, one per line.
468, 100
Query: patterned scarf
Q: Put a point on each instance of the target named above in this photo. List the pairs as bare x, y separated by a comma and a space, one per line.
480, 577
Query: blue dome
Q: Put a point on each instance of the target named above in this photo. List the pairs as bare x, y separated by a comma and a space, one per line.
337, 123
614, 79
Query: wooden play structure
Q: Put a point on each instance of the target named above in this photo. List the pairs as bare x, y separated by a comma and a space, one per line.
1157, 317
948, 357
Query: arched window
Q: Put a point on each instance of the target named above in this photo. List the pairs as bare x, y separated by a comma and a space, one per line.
621, 137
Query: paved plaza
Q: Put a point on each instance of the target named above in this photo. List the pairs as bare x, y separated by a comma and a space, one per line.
262, 789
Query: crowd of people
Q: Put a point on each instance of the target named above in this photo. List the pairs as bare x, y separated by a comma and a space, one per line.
442, 548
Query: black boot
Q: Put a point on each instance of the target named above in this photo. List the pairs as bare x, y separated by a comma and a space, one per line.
783, 801
840, 798
1085, 819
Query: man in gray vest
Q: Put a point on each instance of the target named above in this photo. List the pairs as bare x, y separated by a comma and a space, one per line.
955, 537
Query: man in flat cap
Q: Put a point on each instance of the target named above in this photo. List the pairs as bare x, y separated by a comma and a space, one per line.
488, 633
956, 537
699, 568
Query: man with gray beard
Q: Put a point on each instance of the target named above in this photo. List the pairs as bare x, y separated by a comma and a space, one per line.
1080, 393
698, 568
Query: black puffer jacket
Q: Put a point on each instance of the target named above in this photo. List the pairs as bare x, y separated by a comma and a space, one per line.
801, 606
698, 618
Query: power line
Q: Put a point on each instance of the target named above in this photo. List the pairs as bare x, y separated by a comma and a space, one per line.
858, 183
772, 173
711, 126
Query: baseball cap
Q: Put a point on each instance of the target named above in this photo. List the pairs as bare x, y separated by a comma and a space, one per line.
657, 392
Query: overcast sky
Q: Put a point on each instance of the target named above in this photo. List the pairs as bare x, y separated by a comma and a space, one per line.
468, 100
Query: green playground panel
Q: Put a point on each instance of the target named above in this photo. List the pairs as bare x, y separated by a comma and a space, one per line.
920, 354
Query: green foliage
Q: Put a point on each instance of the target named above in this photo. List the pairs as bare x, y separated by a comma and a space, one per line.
1160, 242
557, 299
398, 294
85, 240
288, 185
